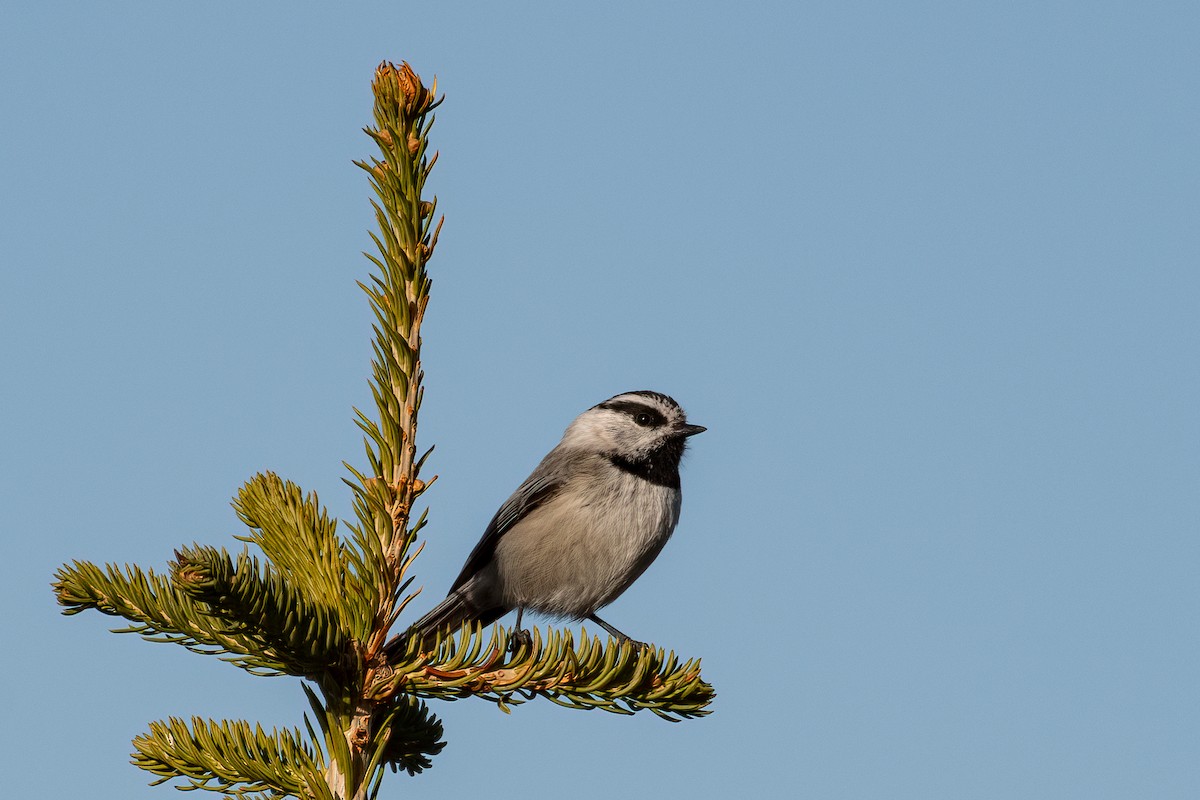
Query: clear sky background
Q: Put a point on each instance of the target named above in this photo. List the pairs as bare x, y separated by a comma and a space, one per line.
929, 272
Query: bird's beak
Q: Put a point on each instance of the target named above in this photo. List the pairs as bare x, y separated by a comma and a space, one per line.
683, 431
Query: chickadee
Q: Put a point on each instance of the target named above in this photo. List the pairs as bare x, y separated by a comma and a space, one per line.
589, 520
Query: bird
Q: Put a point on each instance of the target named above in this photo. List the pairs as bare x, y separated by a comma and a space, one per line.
587, 522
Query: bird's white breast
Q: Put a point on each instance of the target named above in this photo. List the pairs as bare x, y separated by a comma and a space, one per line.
580, 550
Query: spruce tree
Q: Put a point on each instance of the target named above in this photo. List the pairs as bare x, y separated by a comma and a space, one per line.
302, 598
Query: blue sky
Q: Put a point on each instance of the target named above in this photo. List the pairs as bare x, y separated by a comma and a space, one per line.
927, 271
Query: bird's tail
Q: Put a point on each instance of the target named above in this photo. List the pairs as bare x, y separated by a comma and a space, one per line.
448, 615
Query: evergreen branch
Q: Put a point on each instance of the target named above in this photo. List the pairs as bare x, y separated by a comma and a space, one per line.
307, 637
398, 295
159, 611
300, 539
410, 736
230, 756
620, 677
407, 735
356, 728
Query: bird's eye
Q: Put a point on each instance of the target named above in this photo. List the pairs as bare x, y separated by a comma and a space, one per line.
644, 419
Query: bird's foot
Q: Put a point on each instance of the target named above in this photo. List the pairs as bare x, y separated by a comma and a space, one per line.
519, 638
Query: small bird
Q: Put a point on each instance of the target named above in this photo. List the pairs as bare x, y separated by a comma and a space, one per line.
582, 528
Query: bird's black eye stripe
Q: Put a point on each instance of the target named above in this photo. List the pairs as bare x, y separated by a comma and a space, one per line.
644, 415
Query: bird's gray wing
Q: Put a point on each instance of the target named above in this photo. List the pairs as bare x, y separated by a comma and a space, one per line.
535, 491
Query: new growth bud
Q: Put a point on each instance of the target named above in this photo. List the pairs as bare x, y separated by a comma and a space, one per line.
403, 86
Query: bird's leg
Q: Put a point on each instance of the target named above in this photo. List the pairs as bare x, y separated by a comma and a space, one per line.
614, 632
519, 637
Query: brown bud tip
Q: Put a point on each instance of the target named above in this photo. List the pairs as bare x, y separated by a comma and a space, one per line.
414, 96
414, 144
410, 82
